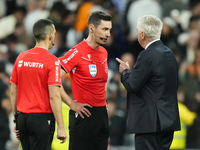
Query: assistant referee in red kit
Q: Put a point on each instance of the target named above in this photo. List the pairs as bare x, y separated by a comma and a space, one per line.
35, 96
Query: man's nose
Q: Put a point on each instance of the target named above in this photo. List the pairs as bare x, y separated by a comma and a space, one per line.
108, 33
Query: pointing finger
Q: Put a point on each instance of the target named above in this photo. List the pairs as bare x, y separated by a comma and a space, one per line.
119, 60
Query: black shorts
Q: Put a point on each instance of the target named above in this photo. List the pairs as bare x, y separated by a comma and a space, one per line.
36, 130
90, 133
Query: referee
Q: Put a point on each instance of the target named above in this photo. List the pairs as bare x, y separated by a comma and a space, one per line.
35, 92
87, 65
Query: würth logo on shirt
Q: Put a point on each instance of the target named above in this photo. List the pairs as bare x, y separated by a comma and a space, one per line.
57, 62
57, 68
30, 64
57, 75
71, 56
20, 63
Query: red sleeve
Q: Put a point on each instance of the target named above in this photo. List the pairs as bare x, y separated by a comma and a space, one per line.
70, 60
54, 73
13, 78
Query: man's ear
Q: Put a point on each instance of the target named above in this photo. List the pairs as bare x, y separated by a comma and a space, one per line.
50, 36
142, 35
91, 28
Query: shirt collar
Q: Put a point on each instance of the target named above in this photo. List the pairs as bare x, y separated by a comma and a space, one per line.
151, 43
41, 47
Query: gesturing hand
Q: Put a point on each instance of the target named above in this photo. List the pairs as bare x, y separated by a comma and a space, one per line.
122, 65
80, 109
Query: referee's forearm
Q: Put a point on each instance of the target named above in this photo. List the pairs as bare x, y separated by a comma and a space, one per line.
65, 97
56, 105
13, 97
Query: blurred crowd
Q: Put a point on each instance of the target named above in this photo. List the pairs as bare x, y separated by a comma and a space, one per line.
181, 33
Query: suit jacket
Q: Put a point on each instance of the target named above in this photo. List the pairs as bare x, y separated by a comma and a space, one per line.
152, 91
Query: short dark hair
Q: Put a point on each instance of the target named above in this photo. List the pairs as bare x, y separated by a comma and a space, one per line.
42, 28
96, 17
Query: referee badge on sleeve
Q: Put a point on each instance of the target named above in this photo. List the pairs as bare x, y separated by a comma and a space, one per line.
93, 70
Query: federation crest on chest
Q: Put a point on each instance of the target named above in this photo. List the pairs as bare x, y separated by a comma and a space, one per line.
93, 70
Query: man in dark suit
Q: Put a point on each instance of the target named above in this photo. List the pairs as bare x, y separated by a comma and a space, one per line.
152, 89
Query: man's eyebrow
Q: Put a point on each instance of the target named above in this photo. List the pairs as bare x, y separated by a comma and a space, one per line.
106, 28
